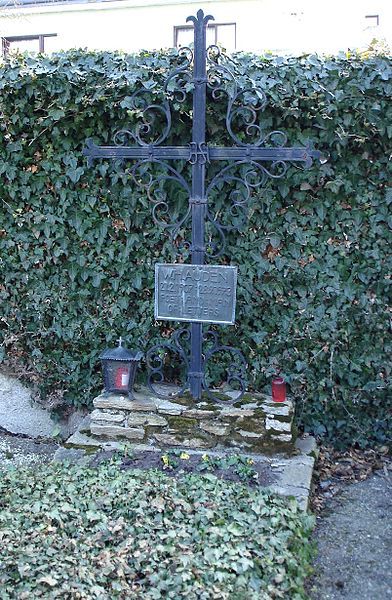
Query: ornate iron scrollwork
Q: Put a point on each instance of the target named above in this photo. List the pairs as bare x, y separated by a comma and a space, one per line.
158, 359
235, 370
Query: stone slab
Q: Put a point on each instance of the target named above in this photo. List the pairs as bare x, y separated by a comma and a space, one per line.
307, 445
108, 417
82, 440
171, 440
117, 402
277, 425
214, 428
115, 431
250, 434
20, 414
146, 419
283, 437
199, 413
237, 412
281, 409
165, 407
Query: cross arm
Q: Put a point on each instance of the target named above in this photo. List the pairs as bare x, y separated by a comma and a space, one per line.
92, 151
202, 152
259, 153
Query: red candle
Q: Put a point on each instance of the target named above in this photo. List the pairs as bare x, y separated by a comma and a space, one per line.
122, 378
278, 389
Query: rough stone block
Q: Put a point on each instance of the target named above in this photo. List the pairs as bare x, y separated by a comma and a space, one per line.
279, 409
113, 431
237, 412
301, 495
20, 414
216, 428
195, 413
283, 437
277, 425
81, 440
146, 419
250, 434
165, 407
167, 439
71, 455
117, 402
110, 417
84, 425
172, 440
143, 448
307, 445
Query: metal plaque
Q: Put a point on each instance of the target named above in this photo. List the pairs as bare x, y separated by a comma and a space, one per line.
200, 293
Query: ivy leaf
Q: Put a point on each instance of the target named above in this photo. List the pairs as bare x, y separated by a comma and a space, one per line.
75, 173
275, 240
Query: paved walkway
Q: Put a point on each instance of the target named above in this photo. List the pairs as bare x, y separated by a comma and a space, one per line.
354, 538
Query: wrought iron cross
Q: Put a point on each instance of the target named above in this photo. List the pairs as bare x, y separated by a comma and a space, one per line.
248, 158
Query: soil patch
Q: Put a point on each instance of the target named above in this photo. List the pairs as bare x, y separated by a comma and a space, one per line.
19, 451
233, 467
335, 469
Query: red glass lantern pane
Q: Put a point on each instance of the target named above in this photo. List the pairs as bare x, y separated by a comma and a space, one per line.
121, 379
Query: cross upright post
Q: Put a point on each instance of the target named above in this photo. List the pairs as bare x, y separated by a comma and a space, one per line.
198, 153
198, 199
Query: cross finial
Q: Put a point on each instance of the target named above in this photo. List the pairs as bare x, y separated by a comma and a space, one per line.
120, 342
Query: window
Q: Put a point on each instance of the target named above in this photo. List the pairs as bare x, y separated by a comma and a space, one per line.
29, 43
372, 20
216, 33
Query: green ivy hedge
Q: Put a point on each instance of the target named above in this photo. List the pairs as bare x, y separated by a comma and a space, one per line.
78, 244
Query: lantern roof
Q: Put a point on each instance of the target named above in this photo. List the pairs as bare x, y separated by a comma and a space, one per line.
121, 353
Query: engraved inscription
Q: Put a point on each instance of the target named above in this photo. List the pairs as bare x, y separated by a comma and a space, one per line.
202, 293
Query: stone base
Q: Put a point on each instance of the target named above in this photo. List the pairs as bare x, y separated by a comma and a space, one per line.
253, 424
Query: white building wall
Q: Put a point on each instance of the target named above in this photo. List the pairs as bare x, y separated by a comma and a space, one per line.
130, 25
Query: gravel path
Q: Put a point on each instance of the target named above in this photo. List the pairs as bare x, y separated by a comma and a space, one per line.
354, 538
22, 451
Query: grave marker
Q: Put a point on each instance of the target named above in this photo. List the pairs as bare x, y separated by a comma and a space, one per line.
248, 158
201, 293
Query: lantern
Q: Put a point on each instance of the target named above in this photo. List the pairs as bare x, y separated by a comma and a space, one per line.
119, 369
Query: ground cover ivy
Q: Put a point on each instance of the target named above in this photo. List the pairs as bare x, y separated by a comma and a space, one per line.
78, 244
104, 533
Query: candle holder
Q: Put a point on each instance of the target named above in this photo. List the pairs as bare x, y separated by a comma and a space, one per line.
119, 369
278, 389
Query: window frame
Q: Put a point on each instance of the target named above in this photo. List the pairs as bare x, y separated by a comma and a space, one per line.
7, 40
213, 25
369, 22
